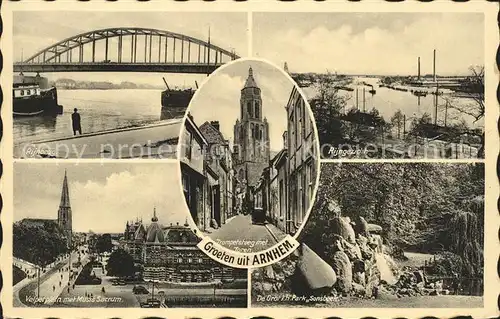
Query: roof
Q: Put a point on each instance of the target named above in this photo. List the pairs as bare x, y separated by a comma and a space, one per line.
180, 234
250, 82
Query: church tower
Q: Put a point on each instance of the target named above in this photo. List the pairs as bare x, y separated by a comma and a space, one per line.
251, 135
64, 216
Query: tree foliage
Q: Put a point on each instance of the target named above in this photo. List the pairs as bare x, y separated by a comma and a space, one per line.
103, 243
120, 264
40, 245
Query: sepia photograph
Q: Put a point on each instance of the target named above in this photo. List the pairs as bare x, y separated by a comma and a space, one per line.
248, 153
385, 85
116, 235
386, 235
112, 84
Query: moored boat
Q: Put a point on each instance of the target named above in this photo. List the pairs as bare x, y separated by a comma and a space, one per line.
174, 102
30, 99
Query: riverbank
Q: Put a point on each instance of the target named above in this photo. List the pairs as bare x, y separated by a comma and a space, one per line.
157, 140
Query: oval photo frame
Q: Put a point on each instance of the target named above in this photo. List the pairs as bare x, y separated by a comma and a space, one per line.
249, 182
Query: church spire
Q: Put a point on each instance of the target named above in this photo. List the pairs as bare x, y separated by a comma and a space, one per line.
65, 192
250, 82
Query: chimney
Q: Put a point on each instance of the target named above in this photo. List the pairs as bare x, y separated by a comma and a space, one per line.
434, 66
215, 124
419, 68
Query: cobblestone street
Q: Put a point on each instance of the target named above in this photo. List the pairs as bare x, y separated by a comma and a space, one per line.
240, 234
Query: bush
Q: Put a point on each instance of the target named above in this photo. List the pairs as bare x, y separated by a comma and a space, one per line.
446, 264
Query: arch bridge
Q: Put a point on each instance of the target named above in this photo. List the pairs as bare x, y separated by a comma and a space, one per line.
129, 50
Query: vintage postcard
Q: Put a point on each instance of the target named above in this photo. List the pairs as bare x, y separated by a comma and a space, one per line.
232, 159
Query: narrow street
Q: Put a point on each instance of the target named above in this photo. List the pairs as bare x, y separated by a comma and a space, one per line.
240, 234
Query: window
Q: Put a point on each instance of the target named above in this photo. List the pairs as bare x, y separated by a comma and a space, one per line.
252, 128
22, 92
304, 196
187, 144
257, 110
179, 260
185, 186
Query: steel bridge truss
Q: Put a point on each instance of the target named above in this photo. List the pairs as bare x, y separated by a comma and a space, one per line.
157, 50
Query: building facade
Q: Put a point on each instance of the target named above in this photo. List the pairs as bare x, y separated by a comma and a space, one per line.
170, 254
251, 151
194, 173
285, 189
219, 159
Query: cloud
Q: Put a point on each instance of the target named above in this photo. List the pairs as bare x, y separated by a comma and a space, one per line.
102, 197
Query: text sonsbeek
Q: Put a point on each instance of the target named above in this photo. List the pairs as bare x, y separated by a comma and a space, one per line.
255, 259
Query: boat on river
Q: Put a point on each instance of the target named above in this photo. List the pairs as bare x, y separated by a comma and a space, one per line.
174, 102
29, 98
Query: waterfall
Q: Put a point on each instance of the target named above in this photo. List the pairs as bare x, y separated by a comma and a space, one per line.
385, 271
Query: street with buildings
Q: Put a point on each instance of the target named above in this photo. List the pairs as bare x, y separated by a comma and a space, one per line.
239, 194
148, 264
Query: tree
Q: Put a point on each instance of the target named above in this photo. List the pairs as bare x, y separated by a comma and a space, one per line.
420, 206
121, 264
327, 107
397, 120
104, 244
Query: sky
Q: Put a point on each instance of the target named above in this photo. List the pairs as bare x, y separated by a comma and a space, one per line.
102, 196
370, 43
219, 98
34, 31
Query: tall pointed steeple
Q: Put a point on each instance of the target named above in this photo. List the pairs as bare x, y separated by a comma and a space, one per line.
65, 192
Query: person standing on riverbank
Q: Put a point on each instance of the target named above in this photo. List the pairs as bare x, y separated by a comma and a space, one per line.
75, 118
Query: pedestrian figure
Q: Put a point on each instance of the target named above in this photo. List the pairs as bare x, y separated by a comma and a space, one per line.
53, 288
59, 284
68, 289
75, 118
103, 291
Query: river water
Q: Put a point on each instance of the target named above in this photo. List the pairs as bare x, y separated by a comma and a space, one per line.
388, 101
100, 110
